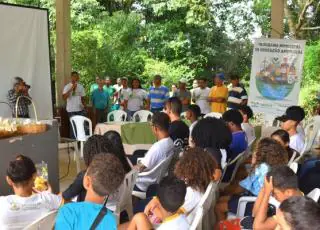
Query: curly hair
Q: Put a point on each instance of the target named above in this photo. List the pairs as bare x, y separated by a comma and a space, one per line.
94, 145
196, 167
270, 152
106, 173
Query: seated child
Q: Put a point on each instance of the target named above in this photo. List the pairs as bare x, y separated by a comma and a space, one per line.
283, 138
267, 154
178, 130
247, 114
298, 212
94, 145
281, 182
197, 168
216, 141
192, 114
21, 209
239, 143
103, 177
290, 122
158, 151
171, 193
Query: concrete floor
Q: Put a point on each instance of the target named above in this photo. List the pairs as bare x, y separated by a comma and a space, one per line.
63, 168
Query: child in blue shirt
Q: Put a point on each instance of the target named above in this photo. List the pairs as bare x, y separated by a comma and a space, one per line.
239, 144
103, 177
268, 153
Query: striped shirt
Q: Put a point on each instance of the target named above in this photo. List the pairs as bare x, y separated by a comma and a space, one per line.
236, 95
158, 96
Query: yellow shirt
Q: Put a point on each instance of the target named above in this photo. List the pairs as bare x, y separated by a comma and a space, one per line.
221, 92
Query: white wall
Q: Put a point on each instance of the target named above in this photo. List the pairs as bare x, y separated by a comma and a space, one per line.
24, 52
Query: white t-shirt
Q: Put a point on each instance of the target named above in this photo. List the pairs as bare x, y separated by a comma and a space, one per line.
74, 103
136, 98
201, 96
17, 212
124, 95
249, 130
178, 222
297, 142
191, 202
158, 152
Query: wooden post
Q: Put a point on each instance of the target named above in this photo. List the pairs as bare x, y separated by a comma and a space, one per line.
63, 47
277, 15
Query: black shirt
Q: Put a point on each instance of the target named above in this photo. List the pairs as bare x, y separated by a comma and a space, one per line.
76, 189
179, 133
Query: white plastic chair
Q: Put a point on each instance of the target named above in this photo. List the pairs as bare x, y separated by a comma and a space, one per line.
118, 116
207, 201
237, 161
44, 223
213, 114
153, 176
142, 115
294, 166
77, 123
125, 201
314, 194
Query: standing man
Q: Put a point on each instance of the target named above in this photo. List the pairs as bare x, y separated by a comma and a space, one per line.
124, 94
110, 90
158, 95
237, 94
100, 101
200, 96
95, 85
218, 95
20, 88
183, 94
74, 94
117, 87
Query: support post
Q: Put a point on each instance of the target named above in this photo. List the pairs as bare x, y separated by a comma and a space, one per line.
277, 15
63, 47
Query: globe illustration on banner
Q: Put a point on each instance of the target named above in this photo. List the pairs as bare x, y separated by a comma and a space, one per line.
276, 77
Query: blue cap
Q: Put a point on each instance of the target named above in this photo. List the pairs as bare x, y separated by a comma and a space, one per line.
220, 75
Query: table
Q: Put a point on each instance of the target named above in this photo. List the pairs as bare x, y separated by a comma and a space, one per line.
39, 147
135, 135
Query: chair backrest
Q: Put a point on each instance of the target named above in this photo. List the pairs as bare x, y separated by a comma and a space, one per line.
156, 174
77, 123
311, 131
44, 223
294, 166
126, 189
117, 115
204, 205
314, 194
142, 116
237, 161
213, 114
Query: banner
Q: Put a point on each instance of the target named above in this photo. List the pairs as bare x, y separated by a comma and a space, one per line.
24, 52
276, 75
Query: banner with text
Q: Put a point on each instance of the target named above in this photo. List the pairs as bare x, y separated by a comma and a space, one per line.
276, 75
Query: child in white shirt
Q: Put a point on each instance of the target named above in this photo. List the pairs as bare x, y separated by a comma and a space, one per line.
21, 209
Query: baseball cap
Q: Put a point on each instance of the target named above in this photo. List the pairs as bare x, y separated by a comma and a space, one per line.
183, 81
294, 113
220, 75
124, 78
157, 77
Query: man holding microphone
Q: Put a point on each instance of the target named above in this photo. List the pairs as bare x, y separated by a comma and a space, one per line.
74, 94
